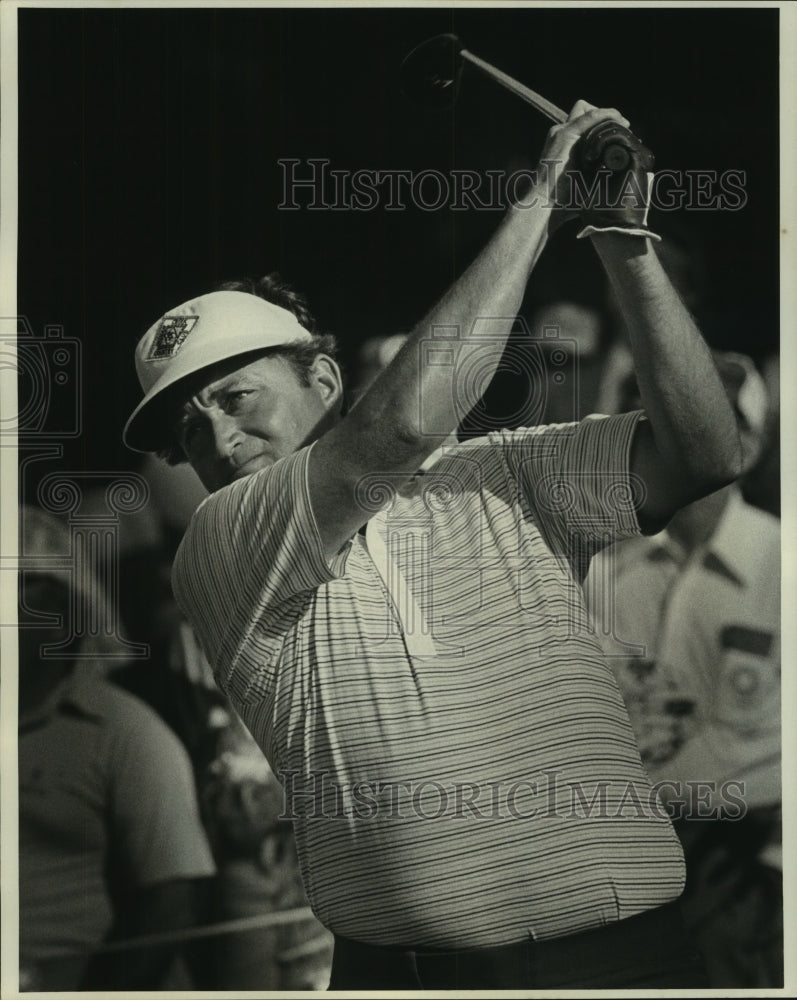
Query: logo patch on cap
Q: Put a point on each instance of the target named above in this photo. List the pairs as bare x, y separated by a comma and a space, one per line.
169, 338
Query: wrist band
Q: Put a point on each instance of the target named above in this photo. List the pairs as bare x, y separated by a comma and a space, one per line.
626, 230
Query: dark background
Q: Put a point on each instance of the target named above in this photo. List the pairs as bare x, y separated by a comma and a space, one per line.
149, 140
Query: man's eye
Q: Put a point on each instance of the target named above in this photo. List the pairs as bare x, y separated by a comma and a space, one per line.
235, 399
188, 432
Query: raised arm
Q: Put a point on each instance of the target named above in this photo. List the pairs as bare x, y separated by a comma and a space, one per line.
690, 445
385, 431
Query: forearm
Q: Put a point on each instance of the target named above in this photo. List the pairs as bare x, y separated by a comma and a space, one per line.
692, 421
419, 400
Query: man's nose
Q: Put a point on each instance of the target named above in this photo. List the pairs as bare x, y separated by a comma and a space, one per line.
226, 434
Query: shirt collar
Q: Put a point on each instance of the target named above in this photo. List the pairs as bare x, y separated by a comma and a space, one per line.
72, 694
664, 548
81, 691
729, 551
733, 544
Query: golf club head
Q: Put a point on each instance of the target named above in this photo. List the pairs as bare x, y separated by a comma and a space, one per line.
430, 73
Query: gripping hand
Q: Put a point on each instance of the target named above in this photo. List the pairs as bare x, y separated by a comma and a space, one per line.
616, 169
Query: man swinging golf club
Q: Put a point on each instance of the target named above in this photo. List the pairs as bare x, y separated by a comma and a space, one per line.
469, 804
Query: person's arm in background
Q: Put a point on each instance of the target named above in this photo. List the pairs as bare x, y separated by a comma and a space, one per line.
384, 432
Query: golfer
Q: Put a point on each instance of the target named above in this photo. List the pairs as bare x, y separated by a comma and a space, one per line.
401, 626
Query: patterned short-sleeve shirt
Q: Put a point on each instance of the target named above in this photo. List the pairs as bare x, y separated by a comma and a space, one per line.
454, 749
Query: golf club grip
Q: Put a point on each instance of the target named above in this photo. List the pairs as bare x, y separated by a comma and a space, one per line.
525, 93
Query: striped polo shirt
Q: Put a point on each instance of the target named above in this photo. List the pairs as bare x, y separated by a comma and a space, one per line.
454, 750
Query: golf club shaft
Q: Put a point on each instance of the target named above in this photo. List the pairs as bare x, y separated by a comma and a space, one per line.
525, 93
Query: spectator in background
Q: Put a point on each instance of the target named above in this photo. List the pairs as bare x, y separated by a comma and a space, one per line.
701, 602
170, 678
761, 484
111, 845
259, 875
174, 680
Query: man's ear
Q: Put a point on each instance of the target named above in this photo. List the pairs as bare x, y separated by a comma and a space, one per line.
327, 377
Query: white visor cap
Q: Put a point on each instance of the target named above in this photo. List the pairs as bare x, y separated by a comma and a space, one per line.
193, 336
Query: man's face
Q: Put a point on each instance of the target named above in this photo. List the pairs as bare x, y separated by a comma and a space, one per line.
241, 420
